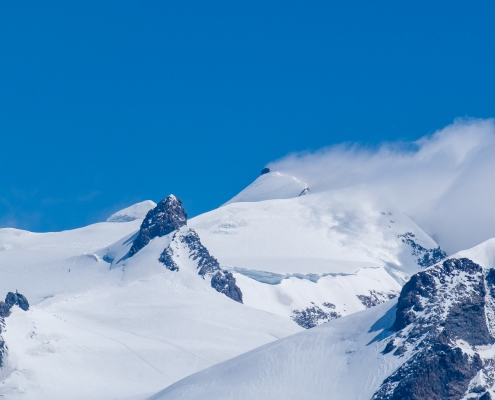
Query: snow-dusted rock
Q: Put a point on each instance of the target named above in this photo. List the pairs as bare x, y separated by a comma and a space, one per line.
166, 217
187, 241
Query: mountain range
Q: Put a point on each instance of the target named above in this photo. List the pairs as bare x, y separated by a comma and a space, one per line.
280, 293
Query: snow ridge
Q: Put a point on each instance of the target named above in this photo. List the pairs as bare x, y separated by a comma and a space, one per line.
136, 211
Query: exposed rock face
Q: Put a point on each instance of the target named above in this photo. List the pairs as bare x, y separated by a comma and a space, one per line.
224, 282
426, 257
314, 316
166, 258
442, 322
375, 298
17, 299
166, 217
5, 307
265, 171
207, 265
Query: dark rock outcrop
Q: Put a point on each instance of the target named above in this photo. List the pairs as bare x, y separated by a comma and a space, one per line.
314, 316
375, 298
441, 320
426, 257
207, 265
224, 282
265, 171
17, 299
166, 217
166, 258
11, 300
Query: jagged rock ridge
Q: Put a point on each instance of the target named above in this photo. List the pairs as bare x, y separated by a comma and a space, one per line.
426, 257
442, 325
207, 265
166, 217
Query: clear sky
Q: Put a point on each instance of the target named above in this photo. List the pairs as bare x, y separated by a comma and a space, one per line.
106, 103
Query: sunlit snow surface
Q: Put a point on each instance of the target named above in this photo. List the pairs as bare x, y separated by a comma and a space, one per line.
342, 359
136, 211
338, 360
103, 326
101, 333
272, 185
290, 254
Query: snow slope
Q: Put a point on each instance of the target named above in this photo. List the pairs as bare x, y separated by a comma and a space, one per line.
131, 324
38, 264
325, 360
136, 211
103, 329
437, 342
316, 257
272, 185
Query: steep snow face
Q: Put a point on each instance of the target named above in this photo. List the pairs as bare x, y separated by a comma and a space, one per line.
136, 211
294, 257
318, 233
436, 342
272, 185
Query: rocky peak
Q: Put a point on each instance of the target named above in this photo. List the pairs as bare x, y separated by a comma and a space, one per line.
443, 327
166, 217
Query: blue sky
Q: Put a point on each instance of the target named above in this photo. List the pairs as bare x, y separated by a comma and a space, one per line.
103, 104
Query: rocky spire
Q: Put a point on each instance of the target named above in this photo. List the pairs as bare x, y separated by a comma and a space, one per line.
166, 217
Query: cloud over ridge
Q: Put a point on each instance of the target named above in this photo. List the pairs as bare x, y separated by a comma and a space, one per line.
445, 181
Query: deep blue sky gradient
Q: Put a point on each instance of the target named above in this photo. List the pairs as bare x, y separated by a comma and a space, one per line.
105, 103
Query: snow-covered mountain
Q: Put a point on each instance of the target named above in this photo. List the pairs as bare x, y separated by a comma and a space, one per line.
149, 297
315, 257
436, 341
105, 323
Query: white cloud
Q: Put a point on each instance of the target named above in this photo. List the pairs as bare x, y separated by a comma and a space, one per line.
445, 181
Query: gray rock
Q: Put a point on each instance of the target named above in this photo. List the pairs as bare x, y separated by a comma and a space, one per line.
313, 316
10, 300
166, 217
426, 257
437, 308
207, 265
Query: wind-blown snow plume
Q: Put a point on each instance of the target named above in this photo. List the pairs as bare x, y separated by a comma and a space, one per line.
444, 181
